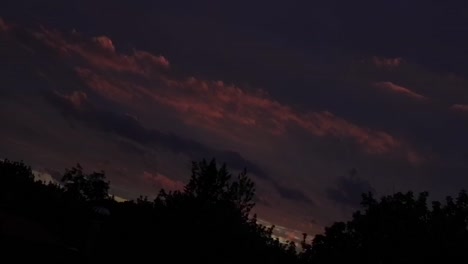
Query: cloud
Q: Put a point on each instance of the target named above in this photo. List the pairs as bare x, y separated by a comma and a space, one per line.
225, 109
77, 98
387, 62
3, 25
389, 86
348, 190
462, 108
260, 199
284, 234
128, 127
69, 104
104, 83
293, 194
214, 102
107, 88
45, 177
105, 43
100, 53
162, 181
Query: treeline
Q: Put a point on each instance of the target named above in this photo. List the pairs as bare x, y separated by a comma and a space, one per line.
209, 221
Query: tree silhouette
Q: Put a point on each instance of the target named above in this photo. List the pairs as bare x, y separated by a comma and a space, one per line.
210, 184
16, 180
90, 187
214, 207
399, 228
210, 221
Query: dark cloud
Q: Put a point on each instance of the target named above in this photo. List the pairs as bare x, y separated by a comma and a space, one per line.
348, 190
293, 194
77, 106
262, 200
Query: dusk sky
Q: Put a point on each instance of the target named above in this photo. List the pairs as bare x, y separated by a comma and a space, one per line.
319, 101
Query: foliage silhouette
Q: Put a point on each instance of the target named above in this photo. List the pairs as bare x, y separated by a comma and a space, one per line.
399, 228
210, 221
90, 187
210, 184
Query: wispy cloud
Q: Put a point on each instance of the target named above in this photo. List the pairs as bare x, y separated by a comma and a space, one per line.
216, 101
208, 104
100, 52
460, 108
76, 106
284, 234
76, 98
44, 177
105, 43
162, 181
3, 25
293, 194
398, 89
348, 190
387, 62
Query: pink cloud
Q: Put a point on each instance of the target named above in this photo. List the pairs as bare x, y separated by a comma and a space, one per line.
225, 109
414, 158
138, 62
105, 43
219, 102
105, 87
162, 181
387, 62
76, 98
394, 88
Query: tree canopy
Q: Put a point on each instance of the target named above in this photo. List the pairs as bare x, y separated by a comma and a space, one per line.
210, 220
90, 187
398, 228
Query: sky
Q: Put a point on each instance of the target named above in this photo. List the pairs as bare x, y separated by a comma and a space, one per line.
320, 102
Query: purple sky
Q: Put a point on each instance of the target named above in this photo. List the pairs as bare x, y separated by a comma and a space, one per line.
300, 94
